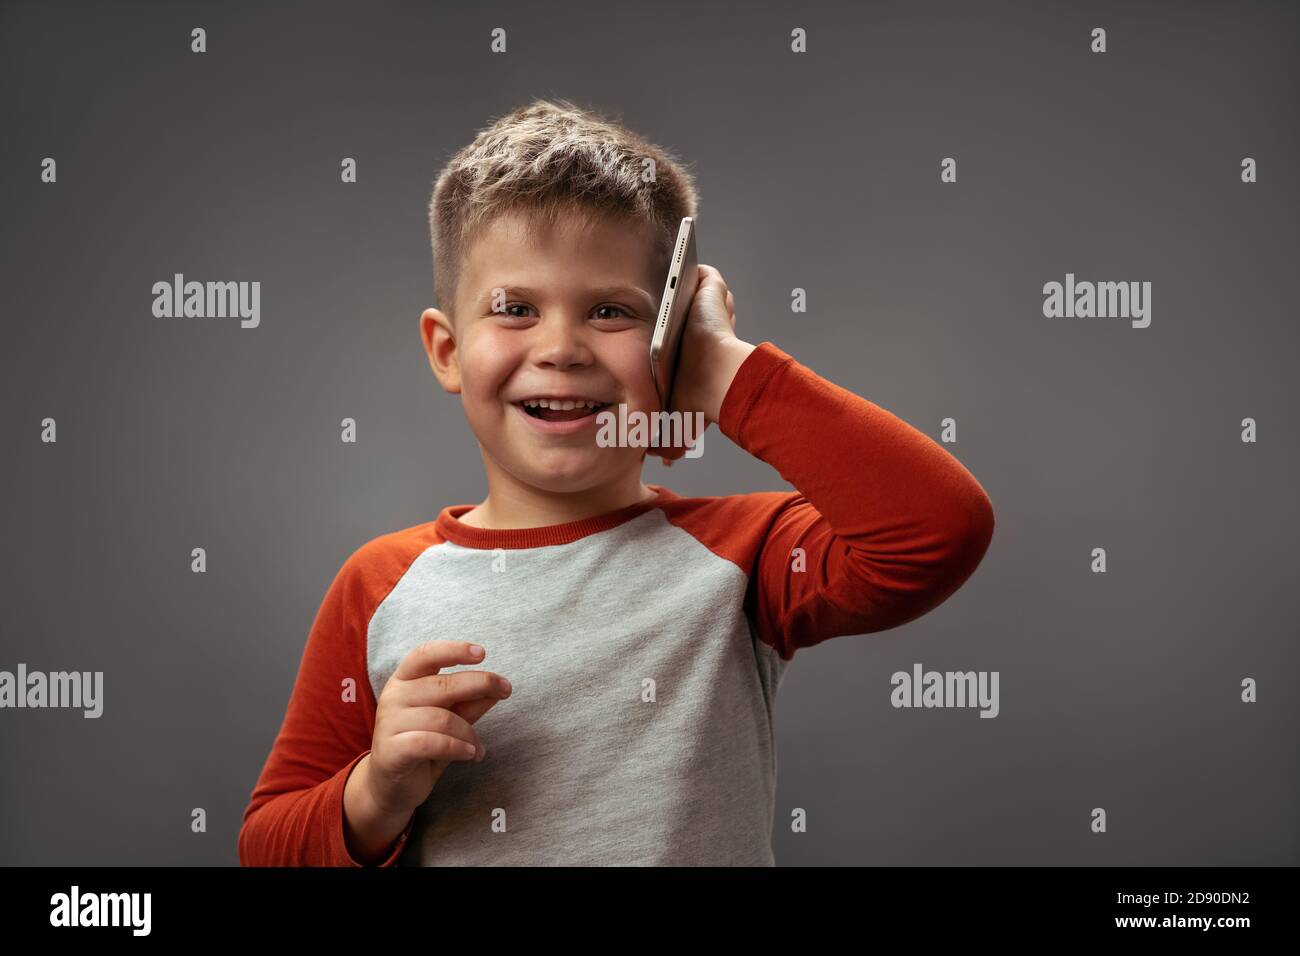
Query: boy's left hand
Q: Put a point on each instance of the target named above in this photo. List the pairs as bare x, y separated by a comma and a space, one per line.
710, 354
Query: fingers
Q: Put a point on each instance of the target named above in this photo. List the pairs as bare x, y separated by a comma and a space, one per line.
710, 275
412, 746
472, 710
432, 656
670, 453
446, 690
433, 720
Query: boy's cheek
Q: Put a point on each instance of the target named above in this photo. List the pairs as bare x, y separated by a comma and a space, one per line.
635, 378
481, 381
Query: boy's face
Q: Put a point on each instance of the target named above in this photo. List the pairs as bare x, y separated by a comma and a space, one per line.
575, 313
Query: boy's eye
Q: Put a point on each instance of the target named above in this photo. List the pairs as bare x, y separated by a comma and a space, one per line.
607, 312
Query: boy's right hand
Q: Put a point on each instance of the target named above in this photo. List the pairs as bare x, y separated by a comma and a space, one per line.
423, 722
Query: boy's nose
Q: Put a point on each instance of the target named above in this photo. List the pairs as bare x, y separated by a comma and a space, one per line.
560, 344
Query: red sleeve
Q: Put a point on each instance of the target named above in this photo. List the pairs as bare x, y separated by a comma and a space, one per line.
890, 523
295, 814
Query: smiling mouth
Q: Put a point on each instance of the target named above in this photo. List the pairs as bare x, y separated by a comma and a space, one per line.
560, 411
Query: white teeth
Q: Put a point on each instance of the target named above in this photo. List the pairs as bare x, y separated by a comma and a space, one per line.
565, 405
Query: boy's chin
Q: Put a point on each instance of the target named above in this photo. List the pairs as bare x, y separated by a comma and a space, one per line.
571, 477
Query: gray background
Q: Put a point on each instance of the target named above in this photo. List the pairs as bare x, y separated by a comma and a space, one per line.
820, 171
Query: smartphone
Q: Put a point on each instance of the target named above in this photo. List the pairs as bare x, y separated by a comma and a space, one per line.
675, 306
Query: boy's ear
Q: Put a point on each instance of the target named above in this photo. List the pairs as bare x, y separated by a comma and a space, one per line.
439, 337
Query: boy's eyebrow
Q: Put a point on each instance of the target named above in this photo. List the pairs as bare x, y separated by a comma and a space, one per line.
604, 292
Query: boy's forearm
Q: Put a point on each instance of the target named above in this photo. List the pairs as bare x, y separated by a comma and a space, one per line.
892, 522
369, 831
870, 474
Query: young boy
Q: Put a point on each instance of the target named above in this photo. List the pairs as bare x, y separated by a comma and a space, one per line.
636, 638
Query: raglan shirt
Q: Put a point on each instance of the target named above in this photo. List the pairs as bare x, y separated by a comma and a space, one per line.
645, 646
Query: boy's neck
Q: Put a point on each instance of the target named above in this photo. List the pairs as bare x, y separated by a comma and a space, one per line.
513, 504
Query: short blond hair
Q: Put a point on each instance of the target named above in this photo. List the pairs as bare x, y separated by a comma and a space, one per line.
548, 158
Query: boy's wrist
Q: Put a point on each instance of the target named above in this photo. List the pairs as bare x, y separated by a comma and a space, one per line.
374, 807
730, 356
369, 828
